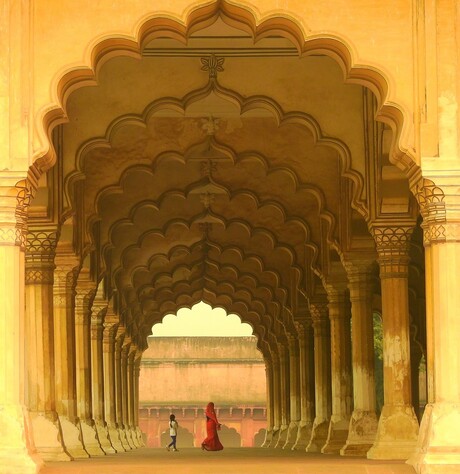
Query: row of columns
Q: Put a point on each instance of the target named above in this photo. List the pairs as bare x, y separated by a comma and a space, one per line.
83, 368
342, 418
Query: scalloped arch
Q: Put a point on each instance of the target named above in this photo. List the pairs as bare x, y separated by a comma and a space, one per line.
101, 49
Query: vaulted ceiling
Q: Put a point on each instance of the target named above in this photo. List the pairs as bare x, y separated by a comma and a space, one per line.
224, 171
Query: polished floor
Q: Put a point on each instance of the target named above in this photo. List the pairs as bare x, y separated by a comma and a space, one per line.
229, 461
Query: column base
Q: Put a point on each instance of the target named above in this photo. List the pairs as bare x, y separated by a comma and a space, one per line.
124, 439
361, 433
282, 436
72, 438
291, 435
336, 437
268, 438
437, 450
14, 451
275, 436
90, 439
397, 433
303, 436
48, 441
115, 440
133, 436
140, 437
103, 437
318, 436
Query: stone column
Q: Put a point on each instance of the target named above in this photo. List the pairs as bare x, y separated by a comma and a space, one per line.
108, 354
131, 395
270, 408
125, 390
137, 372
15, 446
65, 277
319, 314
98, 313
276, 399
363, 423
119, 386
41, 249
398, 426
284, 393
438, 443
294, 391
85, 292
307, 383
342, 387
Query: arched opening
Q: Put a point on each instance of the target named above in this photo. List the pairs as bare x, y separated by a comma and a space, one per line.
200, 355
194, 172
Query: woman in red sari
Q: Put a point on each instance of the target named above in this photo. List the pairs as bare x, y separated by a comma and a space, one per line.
211, 443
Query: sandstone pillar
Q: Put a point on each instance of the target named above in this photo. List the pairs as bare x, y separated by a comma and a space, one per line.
41, 248
108, 348
363, 422
307, 383
137, 372
284, 394
119, 392
270, 408
438, 444
294, 392
65, 274
398, 426
319, 314
342, 391
131, 394
124, 354
85, 292
14, 447
98, 313
276, 398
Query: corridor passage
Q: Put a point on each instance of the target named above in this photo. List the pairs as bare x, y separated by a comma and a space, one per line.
229, 461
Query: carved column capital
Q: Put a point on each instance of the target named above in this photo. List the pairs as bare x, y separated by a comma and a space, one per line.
320, 316
393, 244
440, 208
40, 253
84, 294
65, 278
15, 196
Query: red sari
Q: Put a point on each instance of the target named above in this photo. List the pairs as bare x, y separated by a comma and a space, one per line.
212, 442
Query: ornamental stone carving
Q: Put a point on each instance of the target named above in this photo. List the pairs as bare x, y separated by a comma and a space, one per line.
40, 253
393, 244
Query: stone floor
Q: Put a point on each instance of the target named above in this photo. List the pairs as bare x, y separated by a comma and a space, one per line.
229, 461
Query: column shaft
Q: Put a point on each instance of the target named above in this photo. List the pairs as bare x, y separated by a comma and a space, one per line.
322, 345
398, 426
41, 247
363, 423
67, 267
339, 316
294, 392
307, 383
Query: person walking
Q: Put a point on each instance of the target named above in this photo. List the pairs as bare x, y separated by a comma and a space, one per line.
212, 442
173, 427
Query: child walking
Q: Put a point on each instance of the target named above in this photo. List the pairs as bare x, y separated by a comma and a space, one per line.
173, 426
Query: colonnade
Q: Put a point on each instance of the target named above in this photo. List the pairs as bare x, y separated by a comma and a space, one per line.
335, 330
82, 365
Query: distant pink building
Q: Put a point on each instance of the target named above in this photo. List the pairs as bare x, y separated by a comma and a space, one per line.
181, 375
